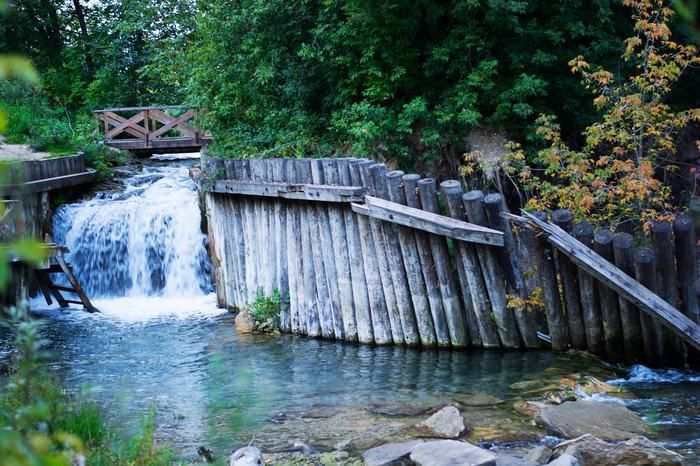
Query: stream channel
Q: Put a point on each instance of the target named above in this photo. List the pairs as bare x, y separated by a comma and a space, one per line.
160, 342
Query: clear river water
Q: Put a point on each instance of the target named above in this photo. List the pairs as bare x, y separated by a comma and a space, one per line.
160, 342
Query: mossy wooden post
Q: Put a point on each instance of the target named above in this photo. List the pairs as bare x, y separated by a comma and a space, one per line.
295, 267
258, 172
508, 258
667, 285
687, 265
249, 233
336, 247
547, 275
396, 261
645, 271
280, 173
694, 209
381, 327
429, 269
380, 247
319, 227
451, 194
590, 299
568, 273
609, 301
358, 327
236, 245
623, 249
411, 259
494, 279
427, 189
311, 301
477, 312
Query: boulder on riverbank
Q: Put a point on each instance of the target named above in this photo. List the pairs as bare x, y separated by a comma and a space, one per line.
608, 421
446, 423
638, 451
435, 453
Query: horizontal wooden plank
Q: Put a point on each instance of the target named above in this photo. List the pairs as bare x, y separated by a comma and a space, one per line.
616, 279
49, 183
138, 109
427, 221
290, 191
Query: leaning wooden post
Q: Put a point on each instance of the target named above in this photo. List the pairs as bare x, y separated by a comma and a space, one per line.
295, 268
609, 301
427, 188
475, 319
568, 272
510, 265
381, 326
436, 292
645, 271
590, 299
322, 250
380, 248
396, 261
686, 262
623, 249
662, 244
311, 302
336, 256
358, 326
547, 274
411, 260
494, 279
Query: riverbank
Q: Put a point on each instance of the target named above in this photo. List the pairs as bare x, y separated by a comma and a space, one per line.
19, 152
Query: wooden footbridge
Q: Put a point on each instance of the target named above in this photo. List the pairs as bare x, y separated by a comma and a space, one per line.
145, 131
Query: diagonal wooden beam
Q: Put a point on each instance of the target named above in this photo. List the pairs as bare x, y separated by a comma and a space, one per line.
131, 123
173, 123
109, 120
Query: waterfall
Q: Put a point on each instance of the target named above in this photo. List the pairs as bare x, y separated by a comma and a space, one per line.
143, 241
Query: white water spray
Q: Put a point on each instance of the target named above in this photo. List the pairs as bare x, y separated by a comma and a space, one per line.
144, 241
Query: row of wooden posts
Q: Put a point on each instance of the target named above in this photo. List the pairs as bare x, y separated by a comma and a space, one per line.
359, 254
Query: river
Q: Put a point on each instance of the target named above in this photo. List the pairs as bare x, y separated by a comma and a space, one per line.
160, 342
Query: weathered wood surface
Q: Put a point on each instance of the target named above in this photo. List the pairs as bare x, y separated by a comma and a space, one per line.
590, 299
613, 277
427, 221
299, 192
623, 249
609, 301
645, 271
35, 176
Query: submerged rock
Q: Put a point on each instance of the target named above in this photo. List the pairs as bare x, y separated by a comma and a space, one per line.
638, 451
609, 421
446, 423
478, 399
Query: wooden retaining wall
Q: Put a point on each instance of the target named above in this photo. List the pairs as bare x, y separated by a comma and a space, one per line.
359, 254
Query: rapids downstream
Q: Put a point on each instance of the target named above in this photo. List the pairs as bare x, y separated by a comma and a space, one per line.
159, 341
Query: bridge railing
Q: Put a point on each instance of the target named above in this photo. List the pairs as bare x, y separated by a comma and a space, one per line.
151, 128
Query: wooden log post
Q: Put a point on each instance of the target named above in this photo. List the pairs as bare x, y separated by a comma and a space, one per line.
427, 189
411, 259
687, 265
380, 247
252, 284
258, 173
399, 279
381, 327
336, 257
547, 276
609, 301
310, 296
645, 271
510, 265
295, 267
623, 250
476, 318
590, 299
358, 327
571, 292
494, 279
438, 296
667, 285
322, 250
236, 247
282, 213
694, 209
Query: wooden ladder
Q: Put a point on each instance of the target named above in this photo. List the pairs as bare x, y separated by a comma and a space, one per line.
48, 287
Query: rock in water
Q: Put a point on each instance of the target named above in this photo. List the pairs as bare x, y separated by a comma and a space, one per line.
608, 421
248, 456
638, 451
451, 453
245, 322
446, 423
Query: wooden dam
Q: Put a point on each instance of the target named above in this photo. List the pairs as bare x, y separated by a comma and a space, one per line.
359, 254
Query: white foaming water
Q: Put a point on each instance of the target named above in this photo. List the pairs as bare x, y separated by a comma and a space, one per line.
641, 374
143, 242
